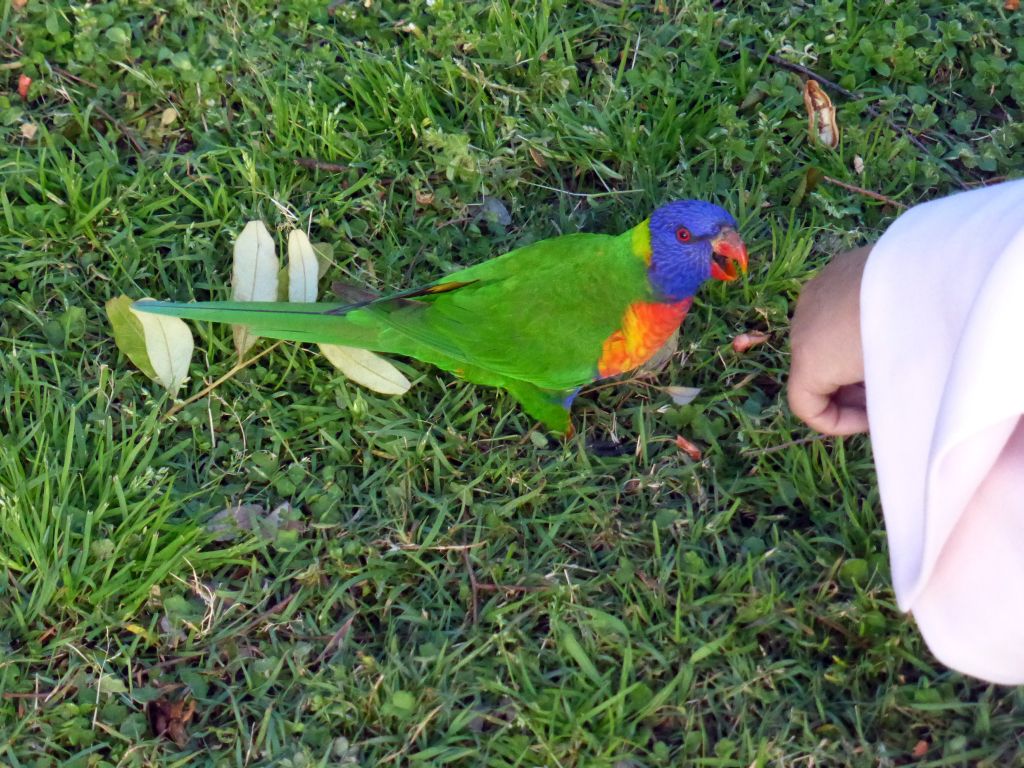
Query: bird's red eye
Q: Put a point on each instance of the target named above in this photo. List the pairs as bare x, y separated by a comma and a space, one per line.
683, 235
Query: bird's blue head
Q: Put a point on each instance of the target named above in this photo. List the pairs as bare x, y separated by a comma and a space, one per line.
691, 241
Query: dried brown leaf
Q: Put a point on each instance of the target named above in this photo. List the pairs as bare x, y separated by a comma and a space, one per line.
745, 341
691, 449
171, 718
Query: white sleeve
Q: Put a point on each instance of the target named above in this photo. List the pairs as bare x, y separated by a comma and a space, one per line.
942, 319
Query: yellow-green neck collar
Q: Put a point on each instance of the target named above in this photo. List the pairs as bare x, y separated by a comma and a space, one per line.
641, 241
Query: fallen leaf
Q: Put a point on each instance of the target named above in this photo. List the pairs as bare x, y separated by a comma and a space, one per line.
745, 341
424, 197
689, 448
24, 81
128, 334
754, 97
171, 718
324, 257
920, 749
858, 164
682, 395
1011, 5
538, 158
28, 131
254, 276
168, 116
821, 115
811, 178
227, 524
366, 368
303, 269
109, 684
169, 347
493, 211
140, 631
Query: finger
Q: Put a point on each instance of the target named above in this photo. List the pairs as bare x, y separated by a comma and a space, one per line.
841, 420
827, 414
853, 395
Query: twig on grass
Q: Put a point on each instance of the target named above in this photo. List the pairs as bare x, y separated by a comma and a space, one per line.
862, 191
588, 195
121, 127
336, 639
321, 165
799, 69
476, 587
413, 735
473, 587
273, 610
441, 547
782, 446
207, 390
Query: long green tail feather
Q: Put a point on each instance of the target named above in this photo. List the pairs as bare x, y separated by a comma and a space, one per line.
282, 320
244, 312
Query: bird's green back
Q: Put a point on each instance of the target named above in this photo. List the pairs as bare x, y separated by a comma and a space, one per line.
540, 313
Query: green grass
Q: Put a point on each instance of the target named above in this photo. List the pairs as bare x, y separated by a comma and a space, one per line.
735, 611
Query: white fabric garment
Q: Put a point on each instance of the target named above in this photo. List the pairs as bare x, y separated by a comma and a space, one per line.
942, 315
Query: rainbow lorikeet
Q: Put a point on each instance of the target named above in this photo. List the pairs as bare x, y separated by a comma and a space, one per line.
540, 321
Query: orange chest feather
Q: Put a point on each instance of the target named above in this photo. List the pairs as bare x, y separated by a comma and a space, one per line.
645, 328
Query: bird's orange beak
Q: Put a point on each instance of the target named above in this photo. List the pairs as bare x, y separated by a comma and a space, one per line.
728, 252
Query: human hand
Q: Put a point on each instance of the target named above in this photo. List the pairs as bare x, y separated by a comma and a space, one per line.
826, 377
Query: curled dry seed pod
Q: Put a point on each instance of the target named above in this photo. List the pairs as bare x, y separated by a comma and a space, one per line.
821, 115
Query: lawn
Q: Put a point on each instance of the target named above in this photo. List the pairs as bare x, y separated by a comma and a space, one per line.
429, 580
